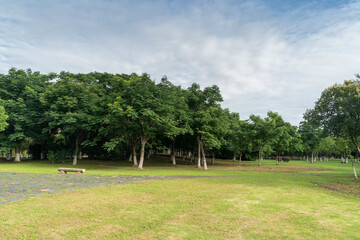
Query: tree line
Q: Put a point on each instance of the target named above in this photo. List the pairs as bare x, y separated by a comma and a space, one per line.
58, 116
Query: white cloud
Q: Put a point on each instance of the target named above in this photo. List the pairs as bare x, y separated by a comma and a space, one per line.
261, 61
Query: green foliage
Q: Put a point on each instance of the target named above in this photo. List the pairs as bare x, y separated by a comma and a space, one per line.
59, 156
205, 114
310, 135
3, 118
20, 96
104, 114
327, 146
285, 136
71, 106
237, 135
338, 111
262, 132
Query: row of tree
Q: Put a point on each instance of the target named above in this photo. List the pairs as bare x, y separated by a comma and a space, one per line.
107, 115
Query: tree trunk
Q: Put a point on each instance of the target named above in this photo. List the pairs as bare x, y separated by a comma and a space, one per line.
143, 141
135, 162
213, 157
355, 140
353, 165
199, 153
17, 152
173, 157
240, 157
130, 157
42, 154
203, 155
76, 151
312, 155
260, 155
277, 158
234, 157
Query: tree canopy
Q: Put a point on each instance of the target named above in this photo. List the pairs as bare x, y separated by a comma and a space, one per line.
338, 111
64, 116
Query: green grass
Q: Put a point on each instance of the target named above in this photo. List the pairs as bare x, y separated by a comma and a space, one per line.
267, 202
161, 167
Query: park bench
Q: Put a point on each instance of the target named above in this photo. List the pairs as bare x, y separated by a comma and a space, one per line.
65, 170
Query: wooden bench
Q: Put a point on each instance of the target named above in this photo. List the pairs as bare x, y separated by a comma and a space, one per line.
65, 170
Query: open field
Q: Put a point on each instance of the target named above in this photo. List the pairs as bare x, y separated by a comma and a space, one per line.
295, 200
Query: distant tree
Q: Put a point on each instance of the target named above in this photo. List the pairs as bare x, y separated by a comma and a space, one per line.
232, 133
327, 146
342, 146
338, 112
262, 132
285, 138
310, 136
244, 143
215, 131
237, 136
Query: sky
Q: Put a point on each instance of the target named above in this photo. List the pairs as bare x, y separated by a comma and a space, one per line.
265, 55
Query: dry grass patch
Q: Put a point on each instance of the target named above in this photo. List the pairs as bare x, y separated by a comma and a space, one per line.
353, 189
275, 168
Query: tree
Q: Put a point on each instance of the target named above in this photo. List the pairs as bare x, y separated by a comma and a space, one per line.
327, 146
117, 129
71, 106
20, 95
285, 136
213, 133
121, 130
237, 135
140, 102
262, 132
338, 112
311, 136
342, 146
203, 110
244, 142
177, 110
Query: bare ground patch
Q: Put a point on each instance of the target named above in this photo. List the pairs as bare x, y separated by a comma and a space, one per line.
280, 168
353, 189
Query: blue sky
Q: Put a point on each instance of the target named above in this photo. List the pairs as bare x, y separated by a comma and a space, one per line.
264, 55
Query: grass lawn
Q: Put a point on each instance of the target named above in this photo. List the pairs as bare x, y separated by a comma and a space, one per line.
295, 200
